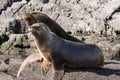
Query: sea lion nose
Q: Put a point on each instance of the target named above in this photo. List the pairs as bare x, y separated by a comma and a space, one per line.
29, 29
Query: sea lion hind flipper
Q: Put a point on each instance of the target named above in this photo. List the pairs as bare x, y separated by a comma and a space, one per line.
58, 74
45, 67
31, 58
101, 64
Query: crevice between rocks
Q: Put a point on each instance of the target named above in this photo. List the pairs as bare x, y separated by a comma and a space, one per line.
8, 4
3, 38
110, 17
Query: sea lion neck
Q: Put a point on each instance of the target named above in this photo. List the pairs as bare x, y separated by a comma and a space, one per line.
42, 41
43, 47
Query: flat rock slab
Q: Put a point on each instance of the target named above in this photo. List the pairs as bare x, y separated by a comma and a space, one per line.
4, 76
8, 71
110, 71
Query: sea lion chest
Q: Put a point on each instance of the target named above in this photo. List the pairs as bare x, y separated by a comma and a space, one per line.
40, 52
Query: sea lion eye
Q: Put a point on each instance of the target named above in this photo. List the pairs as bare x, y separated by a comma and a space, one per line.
30, 27
36, 28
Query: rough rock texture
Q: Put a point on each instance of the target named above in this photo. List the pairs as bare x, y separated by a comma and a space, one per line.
93, 21
10, 66
96, 18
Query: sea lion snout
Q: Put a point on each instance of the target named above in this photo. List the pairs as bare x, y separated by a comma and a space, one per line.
36, 28
33, 28
28, 19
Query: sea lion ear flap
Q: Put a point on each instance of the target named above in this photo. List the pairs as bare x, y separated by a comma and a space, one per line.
41, 26
45, 27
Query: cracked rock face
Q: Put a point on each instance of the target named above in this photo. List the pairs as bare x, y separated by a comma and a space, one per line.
93, 21
77, 17
94, 14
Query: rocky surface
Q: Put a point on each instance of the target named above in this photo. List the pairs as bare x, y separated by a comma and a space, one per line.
10, 65
93, 21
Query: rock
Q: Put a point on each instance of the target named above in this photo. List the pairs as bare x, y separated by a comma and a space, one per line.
66, 22
111, 70
114, 23
68, 10
3, 38
15, 45
14, 66
4, 76
116, 51
3, 66
81, 26
4, 4
76, 16
15, 27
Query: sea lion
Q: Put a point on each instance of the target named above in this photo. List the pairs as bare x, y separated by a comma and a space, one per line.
64, 53
34, 17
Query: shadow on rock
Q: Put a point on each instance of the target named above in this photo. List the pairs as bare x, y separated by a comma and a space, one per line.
109, 68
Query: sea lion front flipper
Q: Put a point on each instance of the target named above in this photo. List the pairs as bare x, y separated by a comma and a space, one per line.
45, 67
31, 58
58, 71
58, 74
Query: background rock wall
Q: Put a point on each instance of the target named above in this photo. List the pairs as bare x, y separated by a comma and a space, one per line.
93, 16
95, 21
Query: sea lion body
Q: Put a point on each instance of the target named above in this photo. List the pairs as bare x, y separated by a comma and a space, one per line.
35, 17
79, 55
63, 53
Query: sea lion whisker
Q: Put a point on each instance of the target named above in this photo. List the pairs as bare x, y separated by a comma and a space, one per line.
28, 31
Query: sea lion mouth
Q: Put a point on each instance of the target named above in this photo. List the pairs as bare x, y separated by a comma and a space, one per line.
29, 30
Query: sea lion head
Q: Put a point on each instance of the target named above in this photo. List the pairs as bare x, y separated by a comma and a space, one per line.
28, 19
38, 29
41, 34
34, 17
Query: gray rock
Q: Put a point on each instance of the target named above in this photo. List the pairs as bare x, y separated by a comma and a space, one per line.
73, 16
3, 66
115, 21
116, 51
110, 71
4, 4
68, 10
4, 76
14, 66
81, 26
